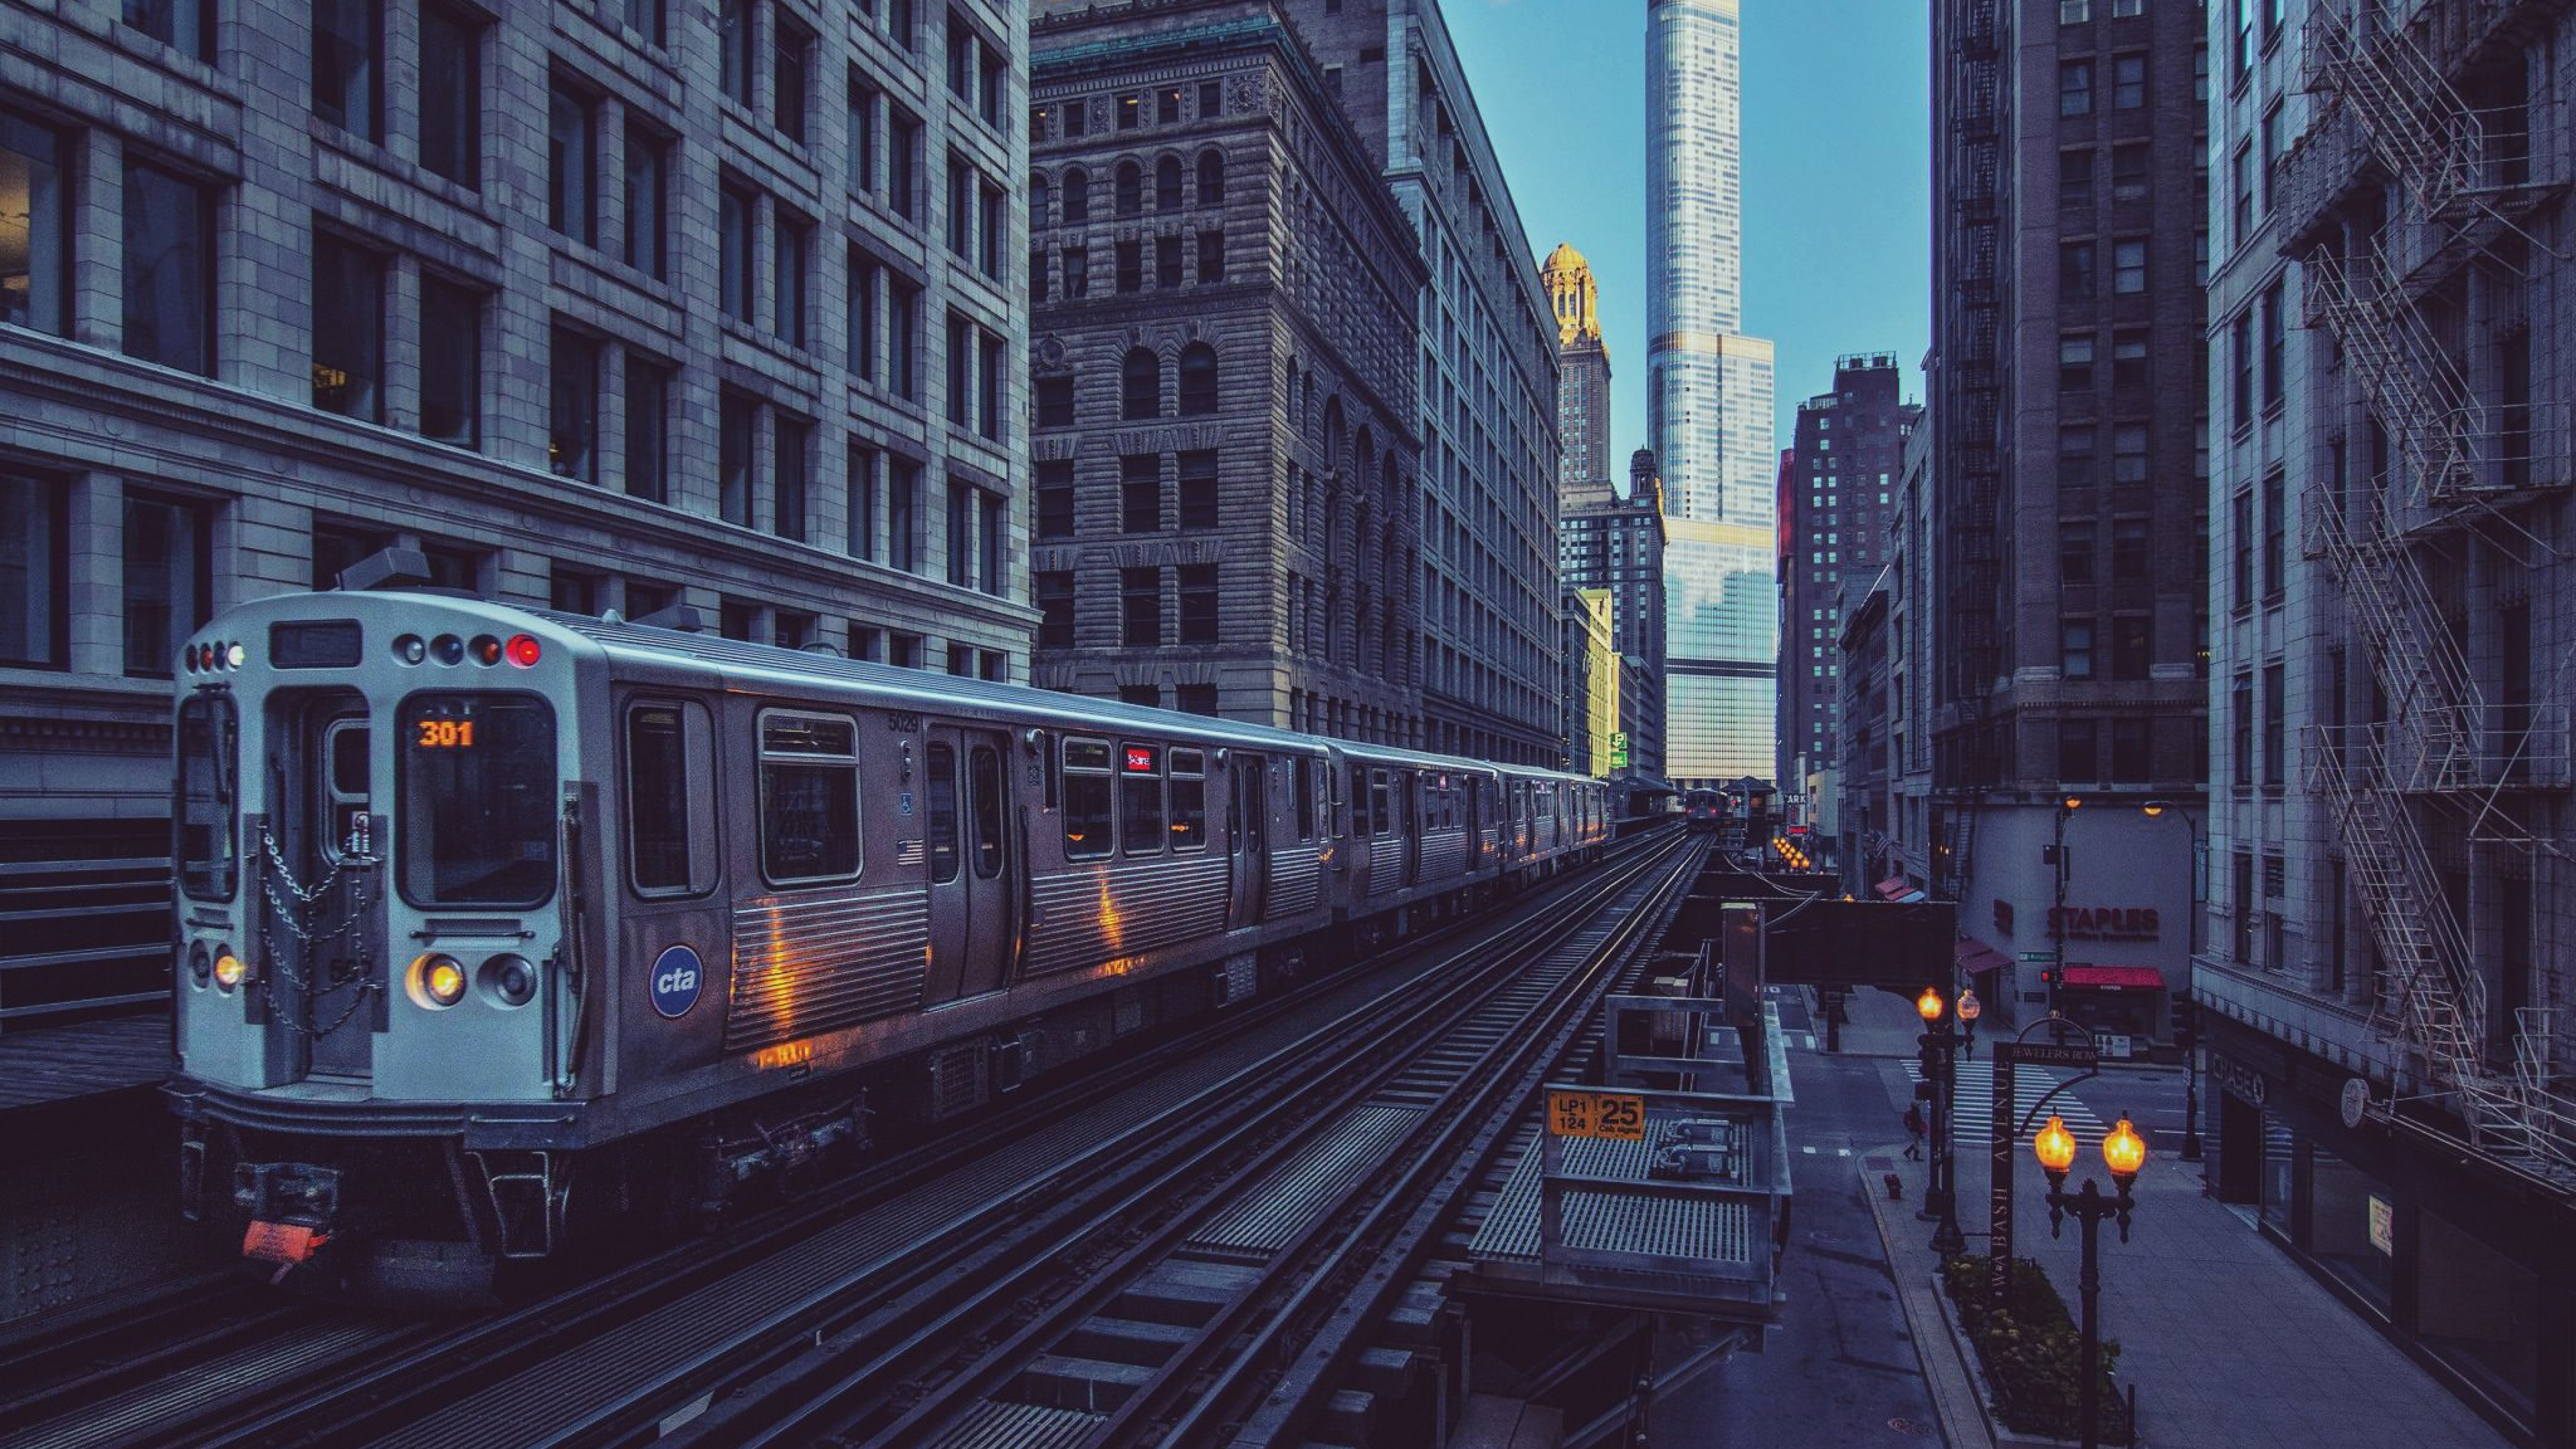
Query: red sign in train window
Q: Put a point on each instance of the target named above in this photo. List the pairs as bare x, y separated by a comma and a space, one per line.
1140, 759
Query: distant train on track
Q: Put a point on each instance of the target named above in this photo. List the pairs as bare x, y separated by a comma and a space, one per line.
1703, 810
495, 923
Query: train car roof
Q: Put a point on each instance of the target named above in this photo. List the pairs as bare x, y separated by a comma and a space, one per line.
737, 658
736, 662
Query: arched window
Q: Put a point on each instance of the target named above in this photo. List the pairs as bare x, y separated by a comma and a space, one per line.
1211, 177
1140, 385
1167, 184
1198, 380
1131, 188
1333, 459
1077, 196
1041, 200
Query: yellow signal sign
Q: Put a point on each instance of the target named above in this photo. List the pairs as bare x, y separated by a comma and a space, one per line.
1597, 1114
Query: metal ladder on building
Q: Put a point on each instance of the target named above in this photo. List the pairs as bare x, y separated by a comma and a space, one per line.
2429, 407
2428, 139
1953, 880
2432, 698
2422, 131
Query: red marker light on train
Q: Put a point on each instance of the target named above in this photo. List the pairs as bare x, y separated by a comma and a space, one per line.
485, 649
525, 651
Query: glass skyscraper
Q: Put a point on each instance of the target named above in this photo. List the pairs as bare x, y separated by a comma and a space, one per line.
1708, 402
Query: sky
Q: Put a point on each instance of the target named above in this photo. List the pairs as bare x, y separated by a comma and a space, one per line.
1836, 173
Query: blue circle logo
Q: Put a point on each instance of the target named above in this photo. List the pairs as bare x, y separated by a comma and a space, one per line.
677, 976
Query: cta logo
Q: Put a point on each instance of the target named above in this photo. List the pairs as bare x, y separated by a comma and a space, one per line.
677, 975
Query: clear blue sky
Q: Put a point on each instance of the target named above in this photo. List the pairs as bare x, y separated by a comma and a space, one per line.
1836, 173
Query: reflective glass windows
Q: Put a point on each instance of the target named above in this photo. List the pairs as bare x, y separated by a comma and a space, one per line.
169, 269
451, 361
348, 328
33, 229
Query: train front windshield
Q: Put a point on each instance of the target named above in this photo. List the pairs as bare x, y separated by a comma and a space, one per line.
477, 805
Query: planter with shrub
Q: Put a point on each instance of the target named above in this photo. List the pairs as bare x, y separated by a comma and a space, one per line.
2029, 1350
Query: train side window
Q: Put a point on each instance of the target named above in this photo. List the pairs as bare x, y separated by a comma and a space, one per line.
209, 830
1404, 804
1087, 824
1380, 818
1305, 789
1189, 800
1359, 800
984, 798
1140, 799
809, 798
670, 798
941, 814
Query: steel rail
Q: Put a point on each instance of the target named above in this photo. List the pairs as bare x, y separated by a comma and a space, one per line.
823, 1401
1360, 1271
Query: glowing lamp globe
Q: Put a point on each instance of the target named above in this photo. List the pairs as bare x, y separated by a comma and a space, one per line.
1929, 1004
2055, 1146
2124, 1151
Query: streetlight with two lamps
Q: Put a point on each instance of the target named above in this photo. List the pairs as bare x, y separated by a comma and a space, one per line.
2123, 1152
1940, 1075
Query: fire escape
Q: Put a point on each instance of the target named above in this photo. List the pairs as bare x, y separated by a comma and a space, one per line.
1970, 528
2458, 465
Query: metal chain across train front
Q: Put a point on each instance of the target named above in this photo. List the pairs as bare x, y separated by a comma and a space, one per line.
308, 939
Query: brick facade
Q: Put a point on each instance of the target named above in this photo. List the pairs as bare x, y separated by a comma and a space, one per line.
1275, 515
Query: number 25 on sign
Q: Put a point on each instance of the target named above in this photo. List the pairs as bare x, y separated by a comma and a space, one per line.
1597, 1114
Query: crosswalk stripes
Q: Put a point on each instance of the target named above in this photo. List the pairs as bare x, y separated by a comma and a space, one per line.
1976, 1101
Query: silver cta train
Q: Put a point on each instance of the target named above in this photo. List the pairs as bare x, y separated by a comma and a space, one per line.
495, 923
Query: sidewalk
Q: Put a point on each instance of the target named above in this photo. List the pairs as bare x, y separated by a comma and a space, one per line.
2231, 1345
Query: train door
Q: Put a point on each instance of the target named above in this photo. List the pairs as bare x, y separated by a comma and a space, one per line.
1473, 788
1353, 810
1408, 806
966, 813
317, 921
1248, 837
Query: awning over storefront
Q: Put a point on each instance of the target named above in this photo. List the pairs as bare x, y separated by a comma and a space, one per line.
1892, 887
1976, 957
2116, 978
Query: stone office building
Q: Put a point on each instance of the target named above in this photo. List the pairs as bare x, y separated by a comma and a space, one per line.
1227, 475
1484, 345
1836, 486
2070, 459
1616, 545
598, 304
2385, 958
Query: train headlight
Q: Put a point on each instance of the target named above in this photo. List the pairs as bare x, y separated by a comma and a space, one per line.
229, 970
201, 964
510, 980
235, 656
437, 981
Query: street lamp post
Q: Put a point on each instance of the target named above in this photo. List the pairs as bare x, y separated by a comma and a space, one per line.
1940, 1072
2124, 1152
2191, 950
2066, 805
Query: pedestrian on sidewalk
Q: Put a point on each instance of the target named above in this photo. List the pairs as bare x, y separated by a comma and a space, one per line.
1914, 1130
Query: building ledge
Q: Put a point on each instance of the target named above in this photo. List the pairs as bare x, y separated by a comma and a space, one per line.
2328, 1029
